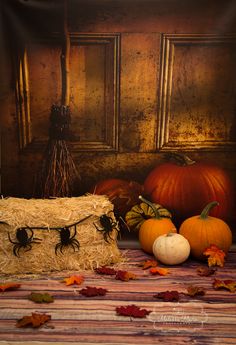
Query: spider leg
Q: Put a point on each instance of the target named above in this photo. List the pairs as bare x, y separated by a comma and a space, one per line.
29, 247
61, 248
76, 243
11, 239
56, 248
72, 237
16, 250
97, 227
31, 232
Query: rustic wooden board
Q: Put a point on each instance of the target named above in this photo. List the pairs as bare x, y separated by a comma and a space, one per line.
208, 319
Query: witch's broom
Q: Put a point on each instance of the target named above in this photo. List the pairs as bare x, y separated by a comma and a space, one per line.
58, 175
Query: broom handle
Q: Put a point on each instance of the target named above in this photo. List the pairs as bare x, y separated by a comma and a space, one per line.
65, 55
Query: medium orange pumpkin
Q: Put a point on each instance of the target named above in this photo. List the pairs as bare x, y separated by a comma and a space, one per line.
185, 188
153, 228
203, 230
122, 193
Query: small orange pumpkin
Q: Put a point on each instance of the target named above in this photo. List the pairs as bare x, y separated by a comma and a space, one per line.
153, 228
203, 230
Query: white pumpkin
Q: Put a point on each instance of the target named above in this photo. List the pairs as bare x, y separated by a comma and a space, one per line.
171, 249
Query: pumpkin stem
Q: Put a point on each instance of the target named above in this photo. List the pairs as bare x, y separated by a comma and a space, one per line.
157, 214
207, 209
180, 158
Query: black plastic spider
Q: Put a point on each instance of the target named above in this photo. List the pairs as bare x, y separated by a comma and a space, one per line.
67, 240
24, 240
65, 237
108, 225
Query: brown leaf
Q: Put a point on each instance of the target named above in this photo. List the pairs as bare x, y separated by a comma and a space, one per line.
91, 291
148, 264
105, 270
160, 271
34, 320
168, 296
132, 310
195, 290
205, 271
9, 286
125, 275
216, 256
227, 284
74, 279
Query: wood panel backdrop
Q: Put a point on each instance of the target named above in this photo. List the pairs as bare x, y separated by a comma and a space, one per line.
146, 77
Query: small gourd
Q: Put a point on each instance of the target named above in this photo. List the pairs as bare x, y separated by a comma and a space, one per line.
171, 249
203, 230
141, 212
153, 228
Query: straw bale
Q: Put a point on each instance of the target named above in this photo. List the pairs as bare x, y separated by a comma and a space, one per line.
94, 251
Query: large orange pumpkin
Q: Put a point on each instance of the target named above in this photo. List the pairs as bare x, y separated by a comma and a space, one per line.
122, 193
185, 188
203, 230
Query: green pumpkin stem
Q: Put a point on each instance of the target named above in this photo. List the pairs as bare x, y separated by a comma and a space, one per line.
157, 214
180, 158
207, 209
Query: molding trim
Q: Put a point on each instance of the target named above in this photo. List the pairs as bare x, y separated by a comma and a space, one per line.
169, 43
112, 71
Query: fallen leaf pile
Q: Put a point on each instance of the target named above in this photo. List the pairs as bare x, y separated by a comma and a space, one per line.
216, 256
35, 320
132, 310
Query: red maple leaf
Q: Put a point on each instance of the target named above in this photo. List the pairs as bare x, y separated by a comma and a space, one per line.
125, 275
35, 320
205, 271
227, 284
148, 264
168, 296
105, 270
132, 310
9, 286
91, 291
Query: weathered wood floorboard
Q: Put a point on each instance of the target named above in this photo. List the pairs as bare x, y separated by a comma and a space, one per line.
208, 319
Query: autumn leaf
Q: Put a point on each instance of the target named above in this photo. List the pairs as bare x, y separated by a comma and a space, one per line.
91, 291
225, 284
34, 320
216, 256
148, 264
168, 296
9, 286
205, 271
132, 310
195, 290
74, 280
105, 270
41, 297
160, 271
125, 275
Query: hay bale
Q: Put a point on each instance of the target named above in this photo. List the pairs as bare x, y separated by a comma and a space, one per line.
94, 251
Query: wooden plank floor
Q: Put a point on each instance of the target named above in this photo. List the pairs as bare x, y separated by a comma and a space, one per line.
208, 319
